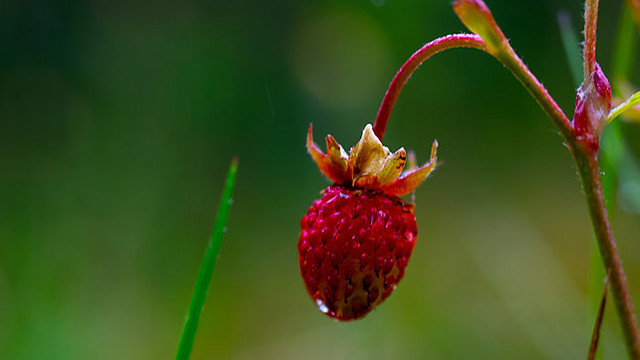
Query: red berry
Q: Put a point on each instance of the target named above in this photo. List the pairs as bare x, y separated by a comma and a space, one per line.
357, 239
354, 248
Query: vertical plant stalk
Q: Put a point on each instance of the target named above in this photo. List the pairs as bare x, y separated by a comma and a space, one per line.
592, 187
420, 56
609, 184
587, 160
206, 269
590, 27
478, 18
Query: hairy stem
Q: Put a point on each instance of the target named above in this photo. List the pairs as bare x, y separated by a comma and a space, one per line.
589, 172
478, 18
590, 27
511, 61
592, 187
420, 56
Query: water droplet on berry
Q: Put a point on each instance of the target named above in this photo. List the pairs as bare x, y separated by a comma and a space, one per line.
322, 306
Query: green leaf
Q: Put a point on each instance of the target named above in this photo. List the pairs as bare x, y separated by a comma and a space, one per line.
206, 269
630, 102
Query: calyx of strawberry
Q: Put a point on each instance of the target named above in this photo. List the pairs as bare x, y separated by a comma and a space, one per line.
370, 164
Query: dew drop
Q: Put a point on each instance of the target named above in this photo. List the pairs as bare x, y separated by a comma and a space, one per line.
322, 306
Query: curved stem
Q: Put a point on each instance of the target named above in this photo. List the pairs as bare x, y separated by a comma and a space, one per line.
507, 57
478, 18
420, 56
592, 187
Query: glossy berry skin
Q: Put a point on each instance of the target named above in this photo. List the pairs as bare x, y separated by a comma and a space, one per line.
355, 242
353, 249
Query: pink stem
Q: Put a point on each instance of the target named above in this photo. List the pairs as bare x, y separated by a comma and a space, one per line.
590, 27
420, 56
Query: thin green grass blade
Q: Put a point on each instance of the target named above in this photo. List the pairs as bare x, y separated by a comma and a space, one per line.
571, 48
206, 269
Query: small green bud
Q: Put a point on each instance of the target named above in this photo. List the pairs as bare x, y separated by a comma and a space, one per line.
477, 17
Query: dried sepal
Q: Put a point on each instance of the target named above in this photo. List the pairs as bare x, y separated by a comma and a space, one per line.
409, 181
368, 157
336, 154
325, 165
370, 164
393, 168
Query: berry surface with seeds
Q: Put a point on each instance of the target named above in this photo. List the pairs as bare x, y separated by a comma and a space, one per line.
356, 240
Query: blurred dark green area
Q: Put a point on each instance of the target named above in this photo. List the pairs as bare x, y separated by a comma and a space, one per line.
117, 124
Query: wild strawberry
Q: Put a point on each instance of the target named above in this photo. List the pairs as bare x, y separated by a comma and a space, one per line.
357, 239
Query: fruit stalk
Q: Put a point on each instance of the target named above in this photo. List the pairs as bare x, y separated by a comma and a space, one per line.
478, 18
405, 72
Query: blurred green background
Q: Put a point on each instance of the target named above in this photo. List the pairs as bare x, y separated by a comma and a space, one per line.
118, 121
